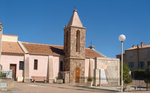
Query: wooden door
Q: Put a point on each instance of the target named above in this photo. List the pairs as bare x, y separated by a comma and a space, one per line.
13, 68
77, 78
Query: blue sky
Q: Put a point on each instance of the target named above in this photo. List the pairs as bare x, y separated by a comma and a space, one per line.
42, 21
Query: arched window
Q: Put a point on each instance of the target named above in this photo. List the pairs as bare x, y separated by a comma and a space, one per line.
66, 37
67, 41
78, 41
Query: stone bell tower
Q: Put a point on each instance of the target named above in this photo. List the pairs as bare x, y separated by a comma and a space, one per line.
74, 48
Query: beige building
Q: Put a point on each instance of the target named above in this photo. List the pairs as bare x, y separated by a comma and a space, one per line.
137, 57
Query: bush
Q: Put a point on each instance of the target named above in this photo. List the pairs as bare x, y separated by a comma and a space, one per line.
2, 75
138, 74
89, 79
57, 78
147, 75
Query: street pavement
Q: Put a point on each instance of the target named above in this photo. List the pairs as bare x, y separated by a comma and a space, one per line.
60, 88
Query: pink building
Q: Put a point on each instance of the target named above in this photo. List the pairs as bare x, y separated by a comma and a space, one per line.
72, 62
16, 54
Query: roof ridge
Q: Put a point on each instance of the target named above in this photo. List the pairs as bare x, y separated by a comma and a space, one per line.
49, 44
39, 43
144, 46
10, 35
99, 53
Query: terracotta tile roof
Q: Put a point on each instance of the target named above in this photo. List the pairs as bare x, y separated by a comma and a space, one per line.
11, 48
144, 46
45, 49
90, 53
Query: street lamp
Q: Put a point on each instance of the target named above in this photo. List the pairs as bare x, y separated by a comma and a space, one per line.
1, 29
122, 38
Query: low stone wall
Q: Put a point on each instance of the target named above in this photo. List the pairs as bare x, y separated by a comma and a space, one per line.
107, 71
6, 84
139, 83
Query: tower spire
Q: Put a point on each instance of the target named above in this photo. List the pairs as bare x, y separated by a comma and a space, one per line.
75, 20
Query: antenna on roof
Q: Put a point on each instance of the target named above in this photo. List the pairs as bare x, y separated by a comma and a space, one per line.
75, 7
91, 46
91, 43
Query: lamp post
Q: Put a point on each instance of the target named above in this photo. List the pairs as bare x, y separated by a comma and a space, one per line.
1, 32
122, 38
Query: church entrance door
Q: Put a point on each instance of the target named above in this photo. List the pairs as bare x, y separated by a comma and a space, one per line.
77, 79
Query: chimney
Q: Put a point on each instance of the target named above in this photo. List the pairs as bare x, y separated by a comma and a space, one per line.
142, 44
1, 26
91, 47
133, 46
138, 46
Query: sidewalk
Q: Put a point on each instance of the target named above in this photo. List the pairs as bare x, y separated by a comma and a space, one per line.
63, 88
97, 88
115, 89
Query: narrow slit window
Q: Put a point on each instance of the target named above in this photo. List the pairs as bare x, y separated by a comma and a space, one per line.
78, 41
67, 39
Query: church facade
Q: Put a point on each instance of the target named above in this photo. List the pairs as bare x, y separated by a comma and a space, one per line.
73, 62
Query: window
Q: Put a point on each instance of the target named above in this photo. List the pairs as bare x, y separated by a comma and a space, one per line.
67, 38
61, 66
66, 42
130, 53
21, 65
148, 64
130, 64
148, 52
35, 64
141, 65
78, 41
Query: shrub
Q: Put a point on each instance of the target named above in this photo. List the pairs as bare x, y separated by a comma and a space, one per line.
58, 78
2, 75
139, 74
89, 79
147, 75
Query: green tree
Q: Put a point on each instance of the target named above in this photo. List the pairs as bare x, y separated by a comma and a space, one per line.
147, 75
126, 76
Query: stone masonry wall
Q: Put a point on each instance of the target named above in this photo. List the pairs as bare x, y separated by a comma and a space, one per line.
74, 59
70, 42
74, 63
111, 67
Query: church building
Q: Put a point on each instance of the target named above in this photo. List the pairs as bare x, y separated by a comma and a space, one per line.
73, 62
